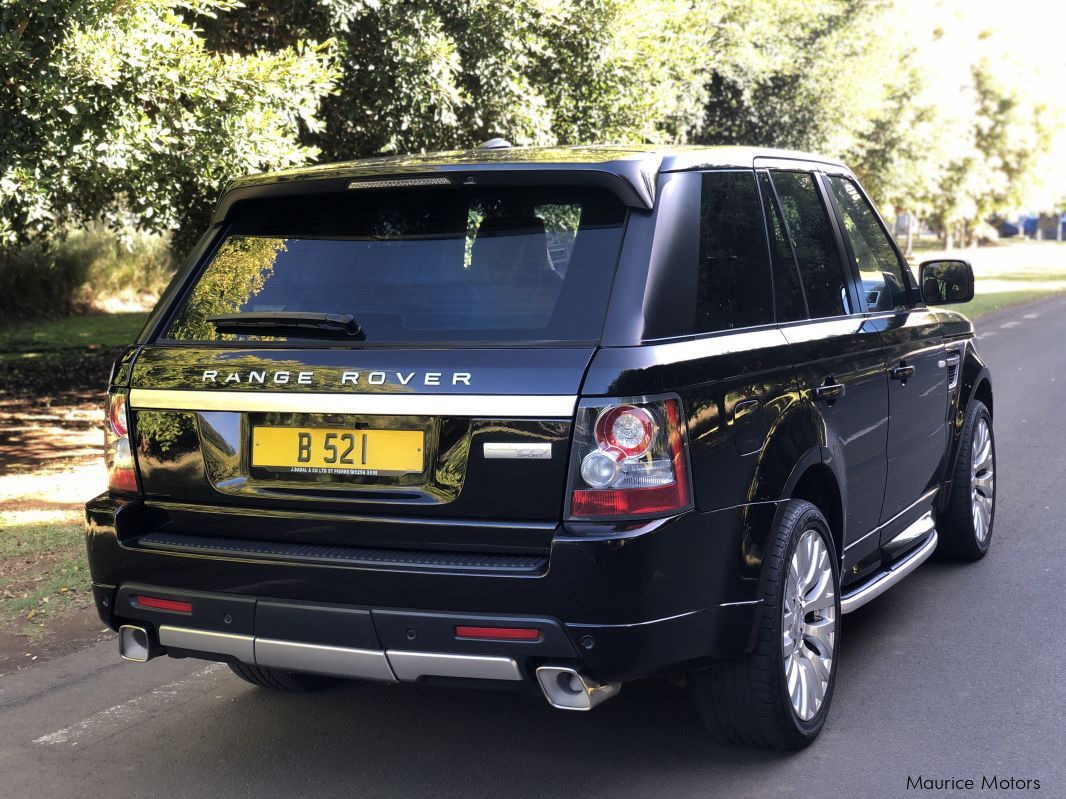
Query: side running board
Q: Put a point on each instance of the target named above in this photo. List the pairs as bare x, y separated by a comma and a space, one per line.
882, 581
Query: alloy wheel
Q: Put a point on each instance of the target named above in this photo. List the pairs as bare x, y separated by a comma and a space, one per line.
982, 479
809, 621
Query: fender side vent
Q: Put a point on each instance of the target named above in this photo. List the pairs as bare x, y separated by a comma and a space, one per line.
953, 359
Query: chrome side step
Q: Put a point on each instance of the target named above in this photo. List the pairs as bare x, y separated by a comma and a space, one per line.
885, 580
341, 661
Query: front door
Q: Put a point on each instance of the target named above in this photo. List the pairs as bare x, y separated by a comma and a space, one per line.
915, 359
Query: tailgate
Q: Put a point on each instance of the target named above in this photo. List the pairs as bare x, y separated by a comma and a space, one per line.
472, 434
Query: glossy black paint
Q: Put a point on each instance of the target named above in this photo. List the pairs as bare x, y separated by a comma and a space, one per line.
618, 585
652, 595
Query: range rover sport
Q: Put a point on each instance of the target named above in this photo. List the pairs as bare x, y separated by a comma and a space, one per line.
553, 419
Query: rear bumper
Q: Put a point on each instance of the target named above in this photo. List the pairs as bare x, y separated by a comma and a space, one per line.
619, 603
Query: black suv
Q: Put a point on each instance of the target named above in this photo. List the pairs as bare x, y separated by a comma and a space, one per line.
543, 418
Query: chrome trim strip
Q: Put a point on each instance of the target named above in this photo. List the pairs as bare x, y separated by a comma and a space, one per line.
740, 604
718, 344
409, 666
339, 661
638, 623
886, 580
818, 329
923, 498
507, 406
241, 647
528, 451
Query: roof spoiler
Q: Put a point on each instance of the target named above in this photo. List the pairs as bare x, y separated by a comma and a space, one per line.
631, 180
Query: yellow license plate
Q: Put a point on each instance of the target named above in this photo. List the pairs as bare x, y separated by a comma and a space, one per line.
331, 450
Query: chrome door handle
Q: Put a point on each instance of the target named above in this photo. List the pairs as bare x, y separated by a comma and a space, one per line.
901, 372
829, 392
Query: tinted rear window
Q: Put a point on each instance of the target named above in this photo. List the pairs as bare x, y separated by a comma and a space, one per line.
430, 265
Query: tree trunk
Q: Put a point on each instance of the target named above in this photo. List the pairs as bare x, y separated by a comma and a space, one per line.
910, 233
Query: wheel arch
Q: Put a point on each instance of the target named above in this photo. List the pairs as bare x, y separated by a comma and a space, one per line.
818, 484
975, 383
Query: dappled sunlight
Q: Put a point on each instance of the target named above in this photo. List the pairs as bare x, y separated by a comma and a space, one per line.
53, 490
17, 519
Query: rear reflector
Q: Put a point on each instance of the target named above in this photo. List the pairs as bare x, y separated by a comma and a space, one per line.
162, 604
499, 633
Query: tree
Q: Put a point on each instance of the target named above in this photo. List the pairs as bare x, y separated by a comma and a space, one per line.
436, 74
118, 110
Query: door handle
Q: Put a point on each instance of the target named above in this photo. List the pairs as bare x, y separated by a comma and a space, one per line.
829, 392
901, 372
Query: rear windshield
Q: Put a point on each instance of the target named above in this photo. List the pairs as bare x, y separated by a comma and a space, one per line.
428, 265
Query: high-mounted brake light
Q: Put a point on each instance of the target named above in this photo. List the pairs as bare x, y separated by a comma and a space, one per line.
630, 459
118, 457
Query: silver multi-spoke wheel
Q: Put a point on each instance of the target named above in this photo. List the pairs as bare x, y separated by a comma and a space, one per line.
982, 479
809, 622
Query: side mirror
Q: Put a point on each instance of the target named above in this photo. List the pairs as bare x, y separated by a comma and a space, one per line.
945, 282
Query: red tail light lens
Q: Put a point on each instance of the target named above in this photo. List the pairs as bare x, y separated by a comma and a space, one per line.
118, 457
155, 603
499, 633
630, 459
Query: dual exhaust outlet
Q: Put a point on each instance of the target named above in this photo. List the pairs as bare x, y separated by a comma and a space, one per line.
564, 687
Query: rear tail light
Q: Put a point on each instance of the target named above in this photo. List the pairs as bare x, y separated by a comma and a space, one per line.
630, 459
121, 471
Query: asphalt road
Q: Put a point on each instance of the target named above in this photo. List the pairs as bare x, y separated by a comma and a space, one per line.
959, 672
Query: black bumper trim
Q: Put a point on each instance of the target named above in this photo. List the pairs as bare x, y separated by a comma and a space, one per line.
347, 556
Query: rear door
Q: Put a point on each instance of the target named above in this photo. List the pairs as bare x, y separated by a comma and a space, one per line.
914, 357
838, 354
479, 311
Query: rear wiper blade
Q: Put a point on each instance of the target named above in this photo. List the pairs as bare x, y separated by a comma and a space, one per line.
281, 322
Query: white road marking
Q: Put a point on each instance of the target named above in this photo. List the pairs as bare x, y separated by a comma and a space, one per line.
1032, 315
124, 713
986, 334
1010, 324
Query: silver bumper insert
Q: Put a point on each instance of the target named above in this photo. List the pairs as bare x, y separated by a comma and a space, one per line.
340, 661
241, 647
410, 666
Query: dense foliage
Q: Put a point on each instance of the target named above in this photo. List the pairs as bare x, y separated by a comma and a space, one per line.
118, 110
136, 112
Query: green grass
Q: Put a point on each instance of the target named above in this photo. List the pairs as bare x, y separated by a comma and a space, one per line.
983, 304
71, 333
44, 569
21, 538
64, 584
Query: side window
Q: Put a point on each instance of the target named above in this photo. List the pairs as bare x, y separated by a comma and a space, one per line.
788, 292
879, 267
810, 232
733, 288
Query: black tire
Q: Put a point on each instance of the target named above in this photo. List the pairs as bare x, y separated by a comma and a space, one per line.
746, 701
290, 681
956, 528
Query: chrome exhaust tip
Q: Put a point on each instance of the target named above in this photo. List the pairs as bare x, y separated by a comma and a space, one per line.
568, 689
135, 644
